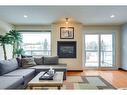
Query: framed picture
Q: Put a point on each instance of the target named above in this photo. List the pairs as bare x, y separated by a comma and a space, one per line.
66, 49
66, 33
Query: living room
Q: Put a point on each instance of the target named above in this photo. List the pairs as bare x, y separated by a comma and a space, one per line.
94, 46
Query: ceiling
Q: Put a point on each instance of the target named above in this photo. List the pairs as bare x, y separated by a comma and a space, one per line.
45, 15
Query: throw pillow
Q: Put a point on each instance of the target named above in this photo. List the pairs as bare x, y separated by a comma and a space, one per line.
7, 66
26, 56
19, 62
51, 60
39, 61
28, 62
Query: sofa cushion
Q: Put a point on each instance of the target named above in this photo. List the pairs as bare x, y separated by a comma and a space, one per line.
60, 66
28, 62
39, 61
27, 74
10, 82
51, 60
8, 65
21, 72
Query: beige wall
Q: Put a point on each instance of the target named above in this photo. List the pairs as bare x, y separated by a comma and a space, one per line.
4, 28
33, 27
72, 63
108, 29
79, 30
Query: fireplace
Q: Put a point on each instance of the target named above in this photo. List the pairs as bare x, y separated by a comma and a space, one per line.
66, 49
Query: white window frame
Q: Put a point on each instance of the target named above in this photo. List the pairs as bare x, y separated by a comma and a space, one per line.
114, 50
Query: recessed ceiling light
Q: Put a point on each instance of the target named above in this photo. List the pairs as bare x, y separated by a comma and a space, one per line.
25, 16
112, 16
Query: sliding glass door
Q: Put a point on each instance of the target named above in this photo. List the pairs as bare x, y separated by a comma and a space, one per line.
99, 50
107, 50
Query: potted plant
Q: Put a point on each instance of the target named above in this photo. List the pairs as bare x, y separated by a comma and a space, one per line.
16, 39
5, 39
19, 51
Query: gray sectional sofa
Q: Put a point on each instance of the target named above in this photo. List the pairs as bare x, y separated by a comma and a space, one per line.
14, 76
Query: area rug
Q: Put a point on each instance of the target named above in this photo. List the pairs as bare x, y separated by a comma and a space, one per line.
83, 83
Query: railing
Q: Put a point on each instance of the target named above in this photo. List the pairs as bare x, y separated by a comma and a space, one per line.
106, 59
38, 52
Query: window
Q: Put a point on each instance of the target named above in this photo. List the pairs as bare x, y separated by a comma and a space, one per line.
36, 43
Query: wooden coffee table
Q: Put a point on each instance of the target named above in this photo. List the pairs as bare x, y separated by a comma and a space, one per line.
56, 82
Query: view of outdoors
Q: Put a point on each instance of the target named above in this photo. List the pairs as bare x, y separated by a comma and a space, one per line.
106, 50
36, 44
92, 51
91, 48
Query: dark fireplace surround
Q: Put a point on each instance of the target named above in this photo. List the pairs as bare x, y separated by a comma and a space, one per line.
66, 49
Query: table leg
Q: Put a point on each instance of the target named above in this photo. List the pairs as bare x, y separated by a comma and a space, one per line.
59, 87
30, 87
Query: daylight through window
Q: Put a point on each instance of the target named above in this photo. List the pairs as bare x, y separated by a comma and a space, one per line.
36, 43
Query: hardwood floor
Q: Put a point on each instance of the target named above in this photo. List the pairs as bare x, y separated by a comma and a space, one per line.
117, 78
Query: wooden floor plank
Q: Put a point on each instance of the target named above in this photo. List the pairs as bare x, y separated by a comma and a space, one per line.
118, 78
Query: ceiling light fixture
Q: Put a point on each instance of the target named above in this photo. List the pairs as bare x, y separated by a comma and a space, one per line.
25, 16
66, 23
112, 16
66, 20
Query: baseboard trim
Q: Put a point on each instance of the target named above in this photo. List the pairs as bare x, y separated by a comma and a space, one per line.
74, 70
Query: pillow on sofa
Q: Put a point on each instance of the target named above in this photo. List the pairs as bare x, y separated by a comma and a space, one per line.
39, 61
28, 62
26, 56
8, 66
19, 61
51, 60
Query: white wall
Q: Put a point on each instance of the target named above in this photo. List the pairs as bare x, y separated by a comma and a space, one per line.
124, 45
4, 28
